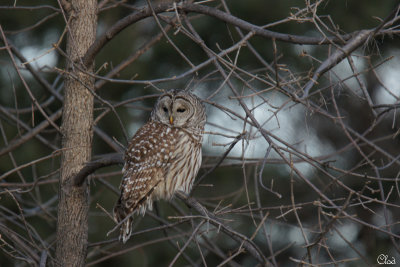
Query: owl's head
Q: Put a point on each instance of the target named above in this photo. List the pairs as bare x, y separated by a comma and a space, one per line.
179, 109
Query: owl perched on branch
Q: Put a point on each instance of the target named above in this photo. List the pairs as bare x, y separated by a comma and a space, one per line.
163, 156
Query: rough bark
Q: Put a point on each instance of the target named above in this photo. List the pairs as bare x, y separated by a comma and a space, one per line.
77, 130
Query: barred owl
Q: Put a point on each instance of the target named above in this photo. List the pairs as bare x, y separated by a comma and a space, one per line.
163, 156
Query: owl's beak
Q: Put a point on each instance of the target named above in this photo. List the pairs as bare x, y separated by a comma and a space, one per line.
171, 119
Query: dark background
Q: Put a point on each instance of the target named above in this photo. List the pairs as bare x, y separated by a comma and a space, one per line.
339, 169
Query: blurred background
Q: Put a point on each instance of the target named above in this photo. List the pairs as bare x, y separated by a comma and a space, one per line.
323, 184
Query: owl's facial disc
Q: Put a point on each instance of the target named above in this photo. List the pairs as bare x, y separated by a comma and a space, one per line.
163, 110
175, 110
182, 111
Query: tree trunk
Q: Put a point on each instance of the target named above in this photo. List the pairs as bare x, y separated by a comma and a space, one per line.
77, 131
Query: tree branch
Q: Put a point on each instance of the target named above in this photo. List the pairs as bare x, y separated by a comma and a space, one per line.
205, 10
248, 244
91, 167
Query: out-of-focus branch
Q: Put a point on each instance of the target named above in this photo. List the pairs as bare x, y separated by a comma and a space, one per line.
27, 88
32, 133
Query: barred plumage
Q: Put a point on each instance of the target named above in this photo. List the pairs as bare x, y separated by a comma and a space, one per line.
163, 157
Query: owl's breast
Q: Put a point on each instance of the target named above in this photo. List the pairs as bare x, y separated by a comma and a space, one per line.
184, 165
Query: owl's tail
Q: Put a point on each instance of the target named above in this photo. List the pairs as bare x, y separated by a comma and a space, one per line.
120, 214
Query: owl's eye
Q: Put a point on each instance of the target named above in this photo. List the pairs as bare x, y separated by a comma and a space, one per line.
165, 109
180, 110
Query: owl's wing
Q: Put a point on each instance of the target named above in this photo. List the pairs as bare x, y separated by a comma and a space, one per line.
145, 165
136, 189
137, 186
